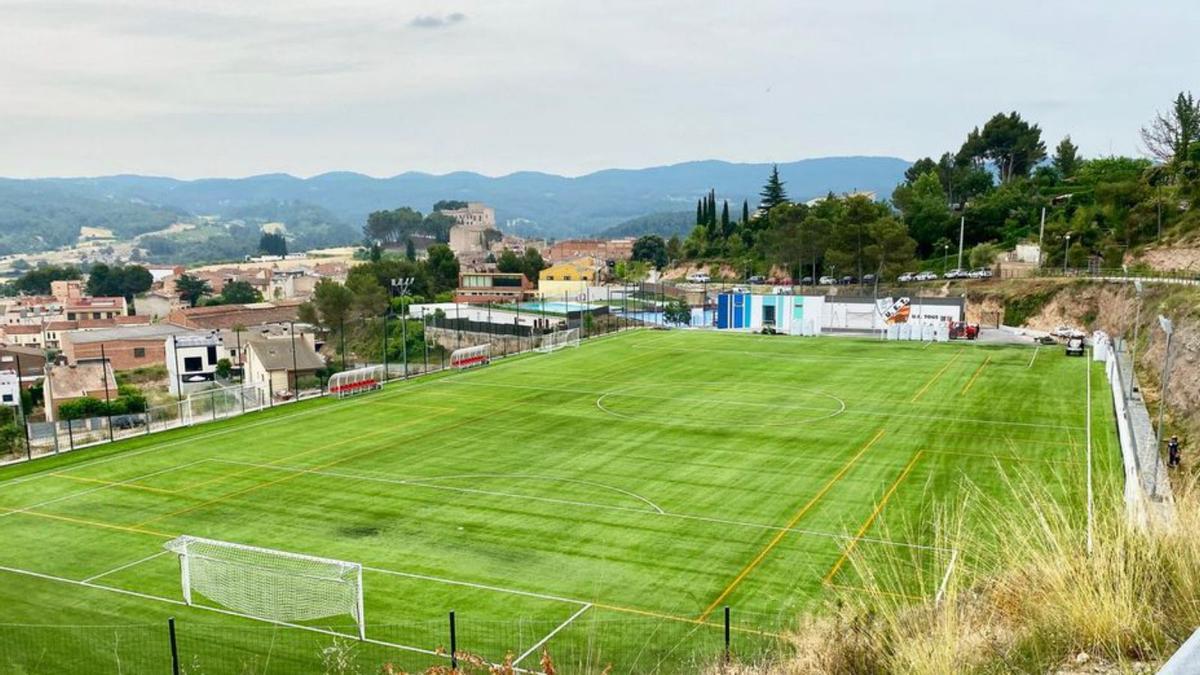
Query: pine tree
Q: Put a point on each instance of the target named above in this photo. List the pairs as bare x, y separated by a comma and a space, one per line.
772, 193
745, 211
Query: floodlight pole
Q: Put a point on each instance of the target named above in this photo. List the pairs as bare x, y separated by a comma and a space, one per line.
107, 402
1066, 252
1169, 329
403, 285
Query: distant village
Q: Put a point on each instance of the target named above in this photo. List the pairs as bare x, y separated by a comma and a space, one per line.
68, 346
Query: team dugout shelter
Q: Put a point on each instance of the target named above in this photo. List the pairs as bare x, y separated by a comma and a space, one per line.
815, 314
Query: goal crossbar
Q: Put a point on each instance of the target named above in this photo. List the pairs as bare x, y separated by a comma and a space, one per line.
559, 339
267, 583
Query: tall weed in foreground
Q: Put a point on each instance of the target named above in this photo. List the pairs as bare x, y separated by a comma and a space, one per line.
1024, 596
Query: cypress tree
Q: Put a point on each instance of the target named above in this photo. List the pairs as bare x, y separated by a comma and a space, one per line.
745, 211
699, 212
712, 208
725, 229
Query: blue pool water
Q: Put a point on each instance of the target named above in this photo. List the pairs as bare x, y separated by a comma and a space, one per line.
555, 306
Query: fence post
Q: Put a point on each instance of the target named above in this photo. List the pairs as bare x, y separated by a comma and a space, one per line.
453, 644
212, 403
71, 433
727, 653
174, 646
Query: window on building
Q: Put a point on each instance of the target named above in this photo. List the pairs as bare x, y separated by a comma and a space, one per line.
139, 352
192, 364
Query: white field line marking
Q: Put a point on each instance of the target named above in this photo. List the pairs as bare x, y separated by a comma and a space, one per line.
125, 566
849, 410
89, 491
529, 476
159, 598
482, 587
610, 507
927, 345
1035, 353
790, 356
1088, 443
425, 483
551, 634
941, 592
238, 428
791, 421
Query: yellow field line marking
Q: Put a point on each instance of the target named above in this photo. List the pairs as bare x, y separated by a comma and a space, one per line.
672, 617
935, 377
976, 375
874, 514
791, 523
113, 483
93, 523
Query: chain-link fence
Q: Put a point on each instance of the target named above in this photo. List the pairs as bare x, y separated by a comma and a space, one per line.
590, 641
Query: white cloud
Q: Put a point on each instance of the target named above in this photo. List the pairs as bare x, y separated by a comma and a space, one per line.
230, 88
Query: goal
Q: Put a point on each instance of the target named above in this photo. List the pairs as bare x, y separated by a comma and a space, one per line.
469, 357
266, 584
356, 381
559, 339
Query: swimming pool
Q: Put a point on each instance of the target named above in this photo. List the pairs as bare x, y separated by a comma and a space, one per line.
555, 306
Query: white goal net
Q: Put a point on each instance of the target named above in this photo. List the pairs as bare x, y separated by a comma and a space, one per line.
469, 357
267, 584
559, 339
221, 402
357, 381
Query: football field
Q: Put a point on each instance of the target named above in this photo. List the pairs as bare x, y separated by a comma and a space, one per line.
605, 502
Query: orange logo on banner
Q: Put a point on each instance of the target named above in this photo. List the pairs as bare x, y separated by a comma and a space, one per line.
898, 312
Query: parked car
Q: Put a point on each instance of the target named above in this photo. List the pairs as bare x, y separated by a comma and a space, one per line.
740, 289
806, 281
926, 276
782, 290
699, 278
957, 273
756, 279
868, 278
127, 421
982, 273
849, 279
1067, 332
906, 277
827, 281
1075, 346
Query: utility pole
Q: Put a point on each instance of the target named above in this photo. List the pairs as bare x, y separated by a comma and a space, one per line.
962, 226
1041, 236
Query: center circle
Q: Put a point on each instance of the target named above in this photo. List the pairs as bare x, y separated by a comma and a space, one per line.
712, 405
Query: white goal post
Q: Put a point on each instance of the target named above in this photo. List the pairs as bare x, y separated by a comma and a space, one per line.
356, 381
559, 339
469, 357
267, 584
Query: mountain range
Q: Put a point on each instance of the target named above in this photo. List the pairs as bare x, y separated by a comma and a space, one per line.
50, 210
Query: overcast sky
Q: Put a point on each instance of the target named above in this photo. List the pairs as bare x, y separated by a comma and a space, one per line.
232, 88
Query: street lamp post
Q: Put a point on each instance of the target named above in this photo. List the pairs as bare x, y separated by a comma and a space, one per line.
1169, 329
1041, 235
1066, 252
945, 257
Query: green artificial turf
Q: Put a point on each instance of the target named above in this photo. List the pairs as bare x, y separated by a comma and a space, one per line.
640, 483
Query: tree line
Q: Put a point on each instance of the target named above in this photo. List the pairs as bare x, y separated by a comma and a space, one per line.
994, 186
